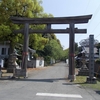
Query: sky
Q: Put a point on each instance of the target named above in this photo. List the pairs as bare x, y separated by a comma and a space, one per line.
70, 8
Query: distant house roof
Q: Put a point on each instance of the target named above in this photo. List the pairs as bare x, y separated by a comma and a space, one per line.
31, 50
87, 49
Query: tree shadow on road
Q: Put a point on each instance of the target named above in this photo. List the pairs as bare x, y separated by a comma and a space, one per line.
71, 83
98, 92
34, 80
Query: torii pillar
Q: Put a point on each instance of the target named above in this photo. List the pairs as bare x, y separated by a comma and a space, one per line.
71, 52
25, 46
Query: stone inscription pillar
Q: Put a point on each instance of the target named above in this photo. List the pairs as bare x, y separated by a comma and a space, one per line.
91, 56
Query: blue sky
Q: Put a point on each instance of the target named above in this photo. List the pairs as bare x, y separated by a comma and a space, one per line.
67, 8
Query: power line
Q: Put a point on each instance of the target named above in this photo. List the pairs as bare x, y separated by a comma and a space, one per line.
84, 13
94, 15
97, 35
96, 27
87, 6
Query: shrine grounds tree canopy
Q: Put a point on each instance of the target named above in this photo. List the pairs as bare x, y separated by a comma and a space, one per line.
85, 42
28, 9
21, 8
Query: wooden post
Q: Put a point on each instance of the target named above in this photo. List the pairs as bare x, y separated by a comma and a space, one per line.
71, 53
25, 46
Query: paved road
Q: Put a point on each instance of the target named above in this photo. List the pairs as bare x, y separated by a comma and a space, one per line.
46, 84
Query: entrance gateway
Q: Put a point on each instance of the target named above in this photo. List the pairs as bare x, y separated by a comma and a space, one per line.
49, 21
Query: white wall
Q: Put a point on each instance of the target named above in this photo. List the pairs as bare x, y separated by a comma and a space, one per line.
34, 63
39, 63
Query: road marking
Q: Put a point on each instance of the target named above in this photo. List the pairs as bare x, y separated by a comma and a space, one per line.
59, 95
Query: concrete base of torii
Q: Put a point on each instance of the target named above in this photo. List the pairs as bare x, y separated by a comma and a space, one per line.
92, 80
72, 77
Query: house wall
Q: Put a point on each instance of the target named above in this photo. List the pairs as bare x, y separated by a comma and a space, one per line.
1, 63
6, 50
31, 64
35, 63
87, 52
39, 63
87, 49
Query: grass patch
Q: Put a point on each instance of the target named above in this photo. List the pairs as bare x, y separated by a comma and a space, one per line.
82, 81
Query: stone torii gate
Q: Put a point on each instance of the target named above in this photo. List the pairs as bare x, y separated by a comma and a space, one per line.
49, 21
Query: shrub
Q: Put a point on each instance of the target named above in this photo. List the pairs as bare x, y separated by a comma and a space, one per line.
97, 61
35, 55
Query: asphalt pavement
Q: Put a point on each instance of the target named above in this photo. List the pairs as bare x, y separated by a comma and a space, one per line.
48, 83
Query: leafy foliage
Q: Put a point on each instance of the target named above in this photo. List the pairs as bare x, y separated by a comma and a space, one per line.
97, 61
21, 8
37, 42
85, 42
47, 45
76, 47
53, 49
66, 54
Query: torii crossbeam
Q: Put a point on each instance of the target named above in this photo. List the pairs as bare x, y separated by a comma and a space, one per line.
49, 21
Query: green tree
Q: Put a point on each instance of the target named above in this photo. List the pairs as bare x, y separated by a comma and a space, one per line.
20, 8
53, 49
66, 54
37, 42
76, 47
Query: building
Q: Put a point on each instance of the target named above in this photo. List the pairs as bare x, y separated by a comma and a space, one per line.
4, 50
86, 49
